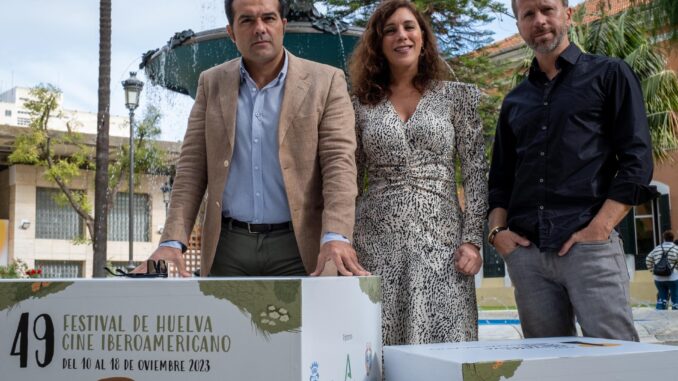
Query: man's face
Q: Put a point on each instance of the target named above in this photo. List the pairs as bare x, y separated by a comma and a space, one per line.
258, 30
543, 24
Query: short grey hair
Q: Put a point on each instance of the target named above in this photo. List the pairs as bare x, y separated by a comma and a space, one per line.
515, 8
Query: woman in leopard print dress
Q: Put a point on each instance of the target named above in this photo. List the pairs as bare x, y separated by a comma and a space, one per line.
410, 228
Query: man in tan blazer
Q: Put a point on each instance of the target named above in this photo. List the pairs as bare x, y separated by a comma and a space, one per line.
266, 213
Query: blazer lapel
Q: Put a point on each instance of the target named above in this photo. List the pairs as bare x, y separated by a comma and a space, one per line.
296, 89
228, 100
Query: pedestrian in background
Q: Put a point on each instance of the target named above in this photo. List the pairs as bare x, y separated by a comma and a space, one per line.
665, 274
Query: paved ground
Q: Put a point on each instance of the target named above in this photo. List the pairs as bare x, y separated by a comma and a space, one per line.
653, 326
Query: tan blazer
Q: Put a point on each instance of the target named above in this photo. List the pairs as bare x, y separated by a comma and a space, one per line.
317, 155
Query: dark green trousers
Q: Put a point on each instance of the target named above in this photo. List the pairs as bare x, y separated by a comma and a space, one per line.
241, 253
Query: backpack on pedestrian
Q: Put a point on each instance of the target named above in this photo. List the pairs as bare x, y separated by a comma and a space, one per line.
663, 267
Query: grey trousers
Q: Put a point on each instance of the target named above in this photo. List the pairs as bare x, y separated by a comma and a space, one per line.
241, 253
591, 283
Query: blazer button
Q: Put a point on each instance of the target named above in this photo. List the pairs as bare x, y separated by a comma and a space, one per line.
226, 163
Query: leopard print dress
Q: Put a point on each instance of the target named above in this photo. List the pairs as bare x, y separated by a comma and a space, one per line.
408, 219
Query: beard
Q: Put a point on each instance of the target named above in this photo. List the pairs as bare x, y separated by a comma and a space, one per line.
546, 47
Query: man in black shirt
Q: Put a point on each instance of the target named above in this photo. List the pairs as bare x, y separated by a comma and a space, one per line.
572, 153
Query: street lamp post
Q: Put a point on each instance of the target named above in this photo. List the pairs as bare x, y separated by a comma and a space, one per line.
132, 88
166, 189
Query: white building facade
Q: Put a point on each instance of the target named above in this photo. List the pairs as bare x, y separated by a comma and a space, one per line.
14, 113
41, 232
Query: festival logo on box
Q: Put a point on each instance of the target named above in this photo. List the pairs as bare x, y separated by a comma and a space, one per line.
188, 329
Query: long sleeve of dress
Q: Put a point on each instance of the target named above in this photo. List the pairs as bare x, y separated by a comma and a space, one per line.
470, 149
361, 163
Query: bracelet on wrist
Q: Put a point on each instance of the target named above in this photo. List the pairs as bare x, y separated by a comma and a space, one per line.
493, 233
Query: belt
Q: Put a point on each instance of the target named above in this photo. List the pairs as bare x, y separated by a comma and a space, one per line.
258, 228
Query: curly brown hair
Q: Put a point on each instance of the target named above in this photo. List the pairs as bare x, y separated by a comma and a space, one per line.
368, 68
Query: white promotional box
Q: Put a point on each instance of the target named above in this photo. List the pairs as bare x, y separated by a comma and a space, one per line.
326, 328
548, 359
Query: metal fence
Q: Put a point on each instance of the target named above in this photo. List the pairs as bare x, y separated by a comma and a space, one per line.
60, 269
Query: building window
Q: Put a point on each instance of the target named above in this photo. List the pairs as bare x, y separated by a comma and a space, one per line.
645, 232
118, 218
60, 269
53, 220
8, 113
23, 122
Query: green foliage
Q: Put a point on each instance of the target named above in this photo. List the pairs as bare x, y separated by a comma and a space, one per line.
149, 157
29, 148
664, 15
26, 149
18, 270
14, 270
626, 36
78, 196
45, 101
490, 78
456, 23
37, 147
81, 240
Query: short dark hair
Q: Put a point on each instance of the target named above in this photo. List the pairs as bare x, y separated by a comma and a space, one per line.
668, 236
515, 7
228, 7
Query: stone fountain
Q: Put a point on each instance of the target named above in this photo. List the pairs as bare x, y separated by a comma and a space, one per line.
177, 65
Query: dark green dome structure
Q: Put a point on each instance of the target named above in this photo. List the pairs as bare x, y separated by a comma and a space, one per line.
310, 35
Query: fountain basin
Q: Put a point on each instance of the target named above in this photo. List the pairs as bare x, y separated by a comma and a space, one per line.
178, 66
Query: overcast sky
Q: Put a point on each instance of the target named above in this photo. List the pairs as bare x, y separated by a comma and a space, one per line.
58, 42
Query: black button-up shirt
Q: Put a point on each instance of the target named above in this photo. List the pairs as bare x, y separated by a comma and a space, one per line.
565, 145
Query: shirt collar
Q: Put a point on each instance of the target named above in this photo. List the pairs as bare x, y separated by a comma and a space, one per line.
245, 75
568, 57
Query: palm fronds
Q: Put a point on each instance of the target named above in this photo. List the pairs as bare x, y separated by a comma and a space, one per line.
626, 36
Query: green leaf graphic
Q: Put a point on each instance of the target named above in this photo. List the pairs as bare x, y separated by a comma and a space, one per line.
273, 305
490, 371
371, 286
13, 293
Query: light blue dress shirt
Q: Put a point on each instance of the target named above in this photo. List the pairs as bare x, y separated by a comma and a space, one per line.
255, 190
